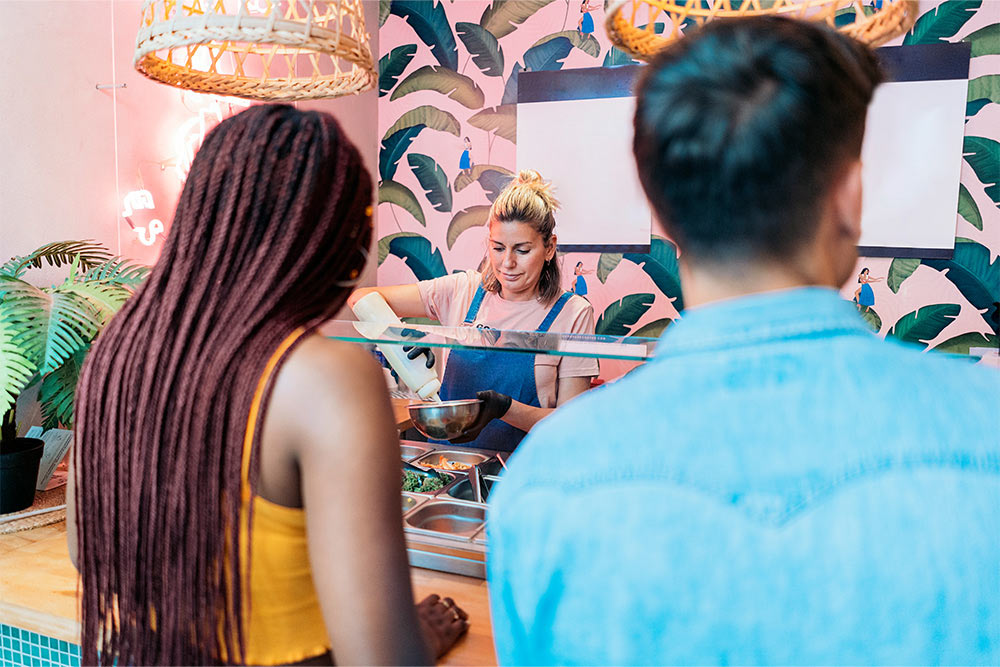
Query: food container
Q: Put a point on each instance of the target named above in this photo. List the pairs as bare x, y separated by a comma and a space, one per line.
448, 518
410, 452
434, 459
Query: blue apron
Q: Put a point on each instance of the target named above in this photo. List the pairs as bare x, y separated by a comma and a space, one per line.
511, 373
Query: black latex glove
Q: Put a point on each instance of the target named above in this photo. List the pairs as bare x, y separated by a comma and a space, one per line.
412, 351
495, 405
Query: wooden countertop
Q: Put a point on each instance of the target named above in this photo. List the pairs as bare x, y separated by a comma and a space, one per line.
38, 592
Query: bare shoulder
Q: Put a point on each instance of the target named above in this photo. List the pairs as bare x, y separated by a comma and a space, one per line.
331, 366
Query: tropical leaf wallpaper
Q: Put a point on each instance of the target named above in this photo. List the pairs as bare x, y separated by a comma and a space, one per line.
447, 103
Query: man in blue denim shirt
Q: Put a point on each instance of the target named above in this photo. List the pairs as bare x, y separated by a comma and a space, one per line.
778, 486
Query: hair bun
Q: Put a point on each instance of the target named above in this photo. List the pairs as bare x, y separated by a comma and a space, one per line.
526, 176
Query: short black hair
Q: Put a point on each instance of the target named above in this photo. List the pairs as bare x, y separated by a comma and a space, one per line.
741, 126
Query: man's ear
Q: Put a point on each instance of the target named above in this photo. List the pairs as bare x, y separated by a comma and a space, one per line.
845, 200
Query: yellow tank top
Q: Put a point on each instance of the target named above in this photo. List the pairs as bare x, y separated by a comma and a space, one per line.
283, 623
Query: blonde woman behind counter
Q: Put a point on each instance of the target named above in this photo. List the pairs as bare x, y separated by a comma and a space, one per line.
517, 290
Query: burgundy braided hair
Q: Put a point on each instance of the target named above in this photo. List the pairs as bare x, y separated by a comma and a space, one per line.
271, 227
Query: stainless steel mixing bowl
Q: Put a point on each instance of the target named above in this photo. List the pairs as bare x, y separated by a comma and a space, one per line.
446, 420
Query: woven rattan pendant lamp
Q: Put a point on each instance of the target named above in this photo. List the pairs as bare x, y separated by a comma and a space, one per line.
631, 24
276, 50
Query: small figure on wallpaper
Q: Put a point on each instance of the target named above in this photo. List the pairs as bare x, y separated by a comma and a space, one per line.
586, 22
580, 283
465, 162
864, 296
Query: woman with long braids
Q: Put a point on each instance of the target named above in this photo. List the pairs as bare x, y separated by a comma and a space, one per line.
517, 289
222, 446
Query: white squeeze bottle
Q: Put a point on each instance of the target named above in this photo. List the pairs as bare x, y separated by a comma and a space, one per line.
373, 309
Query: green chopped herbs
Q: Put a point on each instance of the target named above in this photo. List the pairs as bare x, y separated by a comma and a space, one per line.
417, 483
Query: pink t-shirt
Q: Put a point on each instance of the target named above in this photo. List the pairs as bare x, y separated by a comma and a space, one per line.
447, 300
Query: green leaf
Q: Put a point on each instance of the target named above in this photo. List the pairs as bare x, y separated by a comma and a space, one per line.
16, 364
467, 177
432, 117
501, 119
91, 254
448, 82
607, 263
384, 9
615, 57
983, 155
392, 65
548, 55
493, 182
118, 271
967, 208
871, 317
963, 344
393, 148
621, 315
429, 21
474, 216
924, 324
391, 192
974, 107
586, 43
433, 180
425, 262
106, 299
510, 88
654, 329
483, 47
383, 244
661, 265
984, 88
503, 16
58, 392
942, 22
900, 269
971, 271
985, 41
72, 323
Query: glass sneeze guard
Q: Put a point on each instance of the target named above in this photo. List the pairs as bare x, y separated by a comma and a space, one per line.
628, 348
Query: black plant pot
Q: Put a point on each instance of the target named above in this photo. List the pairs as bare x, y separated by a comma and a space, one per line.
19, 459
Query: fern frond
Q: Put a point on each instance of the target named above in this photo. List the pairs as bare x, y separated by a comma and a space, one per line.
58, 253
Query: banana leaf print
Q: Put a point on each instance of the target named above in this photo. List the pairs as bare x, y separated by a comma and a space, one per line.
501, 119
971, 271
503, 16
871, 318
391, 192
432, 117
392, 149
983, 155
391, 66
654, 329
425, 262
467, 218
963, 344
510, 89
607, 263
985, 41
493, 182
429, 21
620, 316
968, 209
472, 175
586, 43
900, 269
383, 244
384, 7
924, 324
661, 265
433, 180
615, 57
942, 22
448, 82
548, 55
483, 46
983, 90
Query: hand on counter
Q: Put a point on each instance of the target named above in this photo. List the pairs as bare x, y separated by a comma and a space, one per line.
442, 623
495, 406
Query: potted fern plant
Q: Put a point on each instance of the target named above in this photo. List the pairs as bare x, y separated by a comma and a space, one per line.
45, 333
